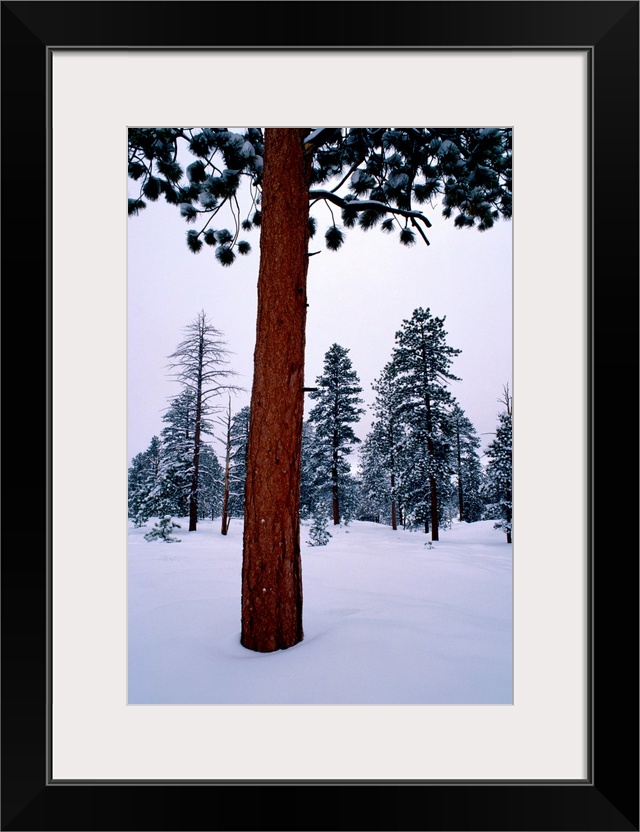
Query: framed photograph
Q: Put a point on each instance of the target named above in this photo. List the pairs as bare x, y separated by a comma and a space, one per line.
80, 752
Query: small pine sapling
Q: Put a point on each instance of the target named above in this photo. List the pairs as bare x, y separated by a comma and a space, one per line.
318, 533
162, 530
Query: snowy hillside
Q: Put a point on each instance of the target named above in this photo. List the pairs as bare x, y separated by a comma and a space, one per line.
388, 619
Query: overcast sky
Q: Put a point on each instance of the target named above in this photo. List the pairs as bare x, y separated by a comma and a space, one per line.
358, 298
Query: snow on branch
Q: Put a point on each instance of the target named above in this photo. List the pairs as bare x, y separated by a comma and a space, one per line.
319, 136
371, 204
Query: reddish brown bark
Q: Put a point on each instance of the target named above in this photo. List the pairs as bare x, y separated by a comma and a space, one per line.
271, 566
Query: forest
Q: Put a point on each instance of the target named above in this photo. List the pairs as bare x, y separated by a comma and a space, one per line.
421, 465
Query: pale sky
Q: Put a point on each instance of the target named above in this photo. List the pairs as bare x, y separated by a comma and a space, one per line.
358, 298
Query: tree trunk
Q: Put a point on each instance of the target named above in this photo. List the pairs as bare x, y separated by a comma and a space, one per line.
271, 565
335, 501
394, 523
193, 496
225, 494
434, 505
433, 493
225, 499
335, 507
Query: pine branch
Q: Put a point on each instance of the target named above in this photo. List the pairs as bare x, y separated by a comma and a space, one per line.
367, 204
320, 136
351, 170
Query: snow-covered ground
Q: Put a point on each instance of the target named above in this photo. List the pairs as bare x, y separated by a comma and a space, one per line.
387, 619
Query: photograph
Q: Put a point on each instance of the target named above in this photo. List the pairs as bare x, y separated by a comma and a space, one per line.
319, 408
333, 531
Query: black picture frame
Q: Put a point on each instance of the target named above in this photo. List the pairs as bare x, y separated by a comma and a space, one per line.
608, 798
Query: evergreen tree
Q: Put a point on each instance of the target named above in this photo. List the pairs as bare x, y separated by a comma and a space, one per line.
235, 435
200, 365
224, 528
162, 530
319, 535
239, 438
414, 494
143, 478
211, 485
311, 487
499, 470
374, 176
377, 494
467, 466
333, 416
176, 472
420, 369
170, 492
388, 434
350, 496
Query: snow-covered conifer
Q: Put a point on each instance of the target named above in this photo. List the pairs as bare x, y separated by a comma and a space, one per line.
200, 364
143, 478
377, 501
421, 370
499, 470
387, 436
319, 535
466, 465
311, 486
239, 436
211, 483
162, 530
177, 454
337, 409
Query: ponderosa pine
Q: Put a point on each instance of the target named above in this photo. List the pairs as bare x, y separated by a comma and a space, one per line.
384, 171
336, 410
271, 565
421, 370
